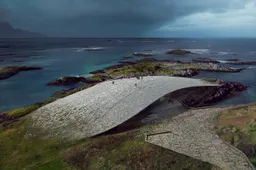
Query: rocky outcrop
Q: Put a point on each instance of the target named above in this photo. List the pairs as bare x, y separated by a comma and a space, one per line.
231, 60
179, 52
7, 72
187, 73
67, 80
205, 60
224, 91
242, 62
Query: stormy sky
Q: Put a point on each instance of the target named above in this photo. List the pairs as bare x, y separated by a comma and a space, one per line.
133, 18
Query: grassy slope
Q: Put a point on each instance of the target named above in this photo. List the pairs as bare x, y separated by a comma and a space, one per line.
19, 149
238, 127
143, 68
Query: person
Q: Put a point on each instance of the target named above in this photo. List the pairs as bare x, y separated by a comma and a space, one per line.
136, 84
113, 82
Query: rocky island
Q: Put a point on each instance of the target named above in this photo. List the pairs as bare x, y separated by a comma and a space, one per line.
145, 67
226, 61
7, 72
179, 52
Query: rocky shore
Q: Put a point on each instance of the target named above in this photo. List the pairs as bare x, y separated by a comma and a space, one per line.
224, 91
69, 80
226, 61
205, 60
7, 72
146, 67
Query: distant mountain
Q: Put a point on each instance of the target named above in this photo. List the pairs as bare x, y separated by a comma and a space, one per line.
7, 31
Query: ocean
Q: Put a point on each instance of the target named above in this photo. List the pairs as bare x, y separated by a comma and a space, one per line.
64, 57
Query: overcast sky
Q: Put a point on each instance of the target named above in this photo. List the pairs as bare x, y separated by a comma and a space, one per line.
133, 18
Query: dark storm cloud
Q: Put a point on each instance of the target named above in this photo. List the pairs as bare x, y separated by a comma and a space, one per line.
106, 17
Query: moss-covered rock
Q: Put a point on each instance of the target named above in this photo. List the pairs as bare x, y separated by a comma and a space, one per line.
179, 52
7, 72
205, 60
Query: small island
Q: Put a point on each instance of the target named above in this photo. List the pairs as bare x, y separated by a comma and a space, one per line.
179, 52
145, 67
8, 72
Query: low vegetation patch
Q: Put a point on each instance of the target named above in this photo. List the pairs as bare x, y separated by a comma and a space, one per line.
16, 113
238, 127
127, 151
7, 72
20, 149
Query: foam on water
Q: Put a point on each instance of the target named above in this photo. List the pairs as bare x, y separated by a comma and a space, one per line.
222, 61
199, 51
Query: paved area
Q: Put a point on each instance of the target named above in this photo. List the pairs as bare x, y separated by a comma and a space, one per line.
105, 105
192, 134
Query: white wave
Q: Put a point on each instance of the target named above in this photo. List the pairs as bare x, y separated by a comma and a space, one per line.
252, 67
252, 52
199, 51
90, 49
225, 53
222, 61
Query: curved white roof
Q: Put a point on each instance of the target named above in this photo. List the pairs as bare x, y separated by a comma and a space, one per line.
105, 105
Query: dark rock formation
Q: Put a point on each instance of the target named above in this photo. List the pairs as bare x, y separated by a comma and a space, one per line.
231, 60
179, 52
142, 54
67, 80
11, 71
215, 95
97, 72
242, 62
127, 62
205, 60
187, 73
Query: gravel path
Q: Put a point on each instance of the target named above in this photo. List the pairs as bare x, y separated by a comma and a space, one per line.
192, 134
105, 105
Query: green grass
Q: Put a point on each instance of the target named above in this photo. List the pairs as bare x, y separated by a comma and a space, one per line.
98, 78
20, 149
141, 68
127, 151
56, 164
238, 127
253, 160
22, 111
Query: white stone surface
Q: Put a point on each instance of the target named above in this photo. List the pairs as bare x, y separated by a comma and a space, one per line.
105, 105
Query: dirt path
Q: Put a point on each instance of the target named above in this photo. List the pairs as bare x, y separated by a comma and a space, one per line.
192, 134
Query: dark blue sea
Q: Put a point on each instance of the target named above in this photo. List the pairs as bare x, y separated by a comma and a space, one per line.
65, 57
